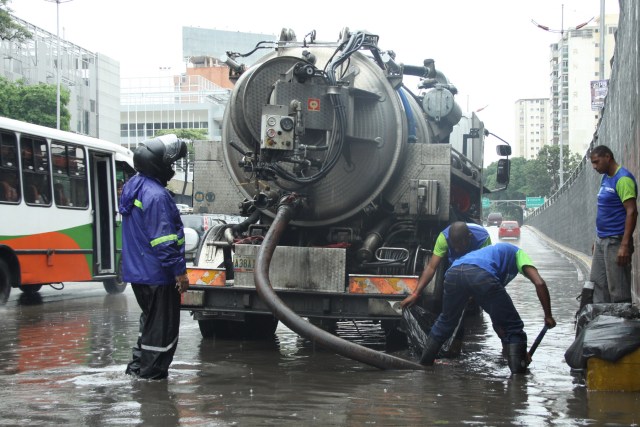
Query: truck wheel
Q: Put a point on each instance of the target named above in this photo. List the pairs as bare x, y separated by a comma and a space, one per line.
394, 337
433, 302
30, 289
254, 326
329, 325
5, 282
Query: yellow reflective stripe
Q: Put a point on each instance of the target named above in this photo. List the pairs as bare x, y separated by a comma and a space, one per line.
181, 241
137, 203
163, 239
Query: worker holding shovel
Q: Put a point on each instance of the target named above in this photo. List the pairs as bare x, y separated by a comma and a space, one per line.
483, 275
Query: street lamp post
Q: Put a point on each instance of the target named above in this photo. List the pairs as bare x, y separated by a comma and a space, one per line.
560, 76
57, 2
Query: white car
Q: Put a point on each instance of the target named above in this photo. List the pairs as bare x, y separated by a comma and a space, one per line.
184, 208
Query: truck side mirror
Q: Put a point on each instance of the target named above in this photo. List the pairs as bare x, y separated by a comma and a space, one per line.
503, 150
504, 167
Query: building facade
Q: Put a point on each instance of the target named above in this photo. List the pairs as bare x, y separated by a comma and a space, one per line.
170, 102
194, 99
533, 126
92, 79
575, 62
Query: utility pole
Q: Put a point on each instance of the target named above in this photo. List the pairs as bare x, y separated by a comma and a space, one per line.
560, 79
57, 2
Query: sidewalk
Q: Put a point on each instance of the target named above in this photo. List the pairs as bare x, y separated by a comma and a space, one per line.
580, 258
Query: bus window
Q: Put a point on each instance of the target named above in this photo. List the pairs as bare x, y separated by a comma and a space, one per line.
9, 177
123, 173
69, 175
35, 171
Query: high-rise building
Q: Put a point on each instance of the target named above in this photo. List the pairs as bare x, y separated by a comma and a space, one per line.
575, 63
533, 127
92, 79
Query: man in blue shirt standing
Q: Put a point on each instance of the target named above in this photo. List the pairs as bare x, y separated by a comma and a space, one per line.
483, 275
615, 222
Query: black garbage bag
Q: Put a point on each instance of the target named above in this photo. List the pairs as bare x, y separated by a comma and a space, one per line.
591, 311
417, 322
605, 337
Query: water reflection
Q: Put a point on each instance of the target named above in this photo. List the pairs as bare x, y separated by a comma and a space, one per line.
62, 362
30, 298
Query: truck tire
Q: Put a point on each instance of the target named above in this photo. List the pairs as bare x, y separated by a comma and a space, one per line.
254, 326
394, 336
329, 325
5, 282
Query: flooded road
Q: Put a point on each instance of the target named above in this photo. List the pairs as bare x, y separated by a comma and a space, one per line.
63, 355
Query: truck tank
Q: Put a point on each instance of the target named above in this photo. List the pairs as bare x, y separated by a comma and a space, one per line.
378, 170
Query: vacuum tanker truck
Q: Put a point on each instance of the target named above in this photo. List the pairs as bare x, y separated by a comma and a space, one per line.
371, 172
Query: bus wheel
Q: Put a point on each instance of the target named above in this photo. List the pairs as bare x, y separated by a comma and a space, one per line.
254, 326
5, 285
30, 289
114, 286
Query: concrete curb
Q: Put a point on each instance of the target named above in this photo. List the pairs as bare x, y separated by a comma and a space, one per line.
580, 258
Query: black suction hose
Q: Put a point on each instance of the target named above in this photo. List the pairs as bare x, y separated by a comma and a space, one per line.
298, 324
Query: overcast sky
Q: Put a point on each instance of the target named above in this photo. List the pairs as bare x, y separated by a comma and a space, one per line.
489, 49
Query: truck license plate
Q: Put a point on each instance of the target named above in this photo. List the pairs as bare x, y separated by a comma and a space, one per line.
193, 298
244, 263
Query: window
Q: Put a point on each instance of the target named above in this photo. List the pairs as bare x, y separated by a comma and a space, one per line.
69, 176
35, 171
9, 176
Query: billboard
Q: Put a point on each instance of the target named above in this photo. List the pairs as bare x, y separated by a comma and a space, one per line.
598, 93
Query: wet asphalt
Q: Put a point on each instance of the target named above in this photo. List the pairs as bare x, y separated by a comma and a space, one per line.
63, 355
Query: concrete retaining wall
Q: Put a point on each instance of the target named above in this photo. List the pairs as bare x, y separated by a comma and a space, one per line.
569, 216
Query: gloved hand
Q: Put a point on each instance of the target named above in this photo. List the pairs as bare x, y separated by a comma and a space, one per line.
182, 283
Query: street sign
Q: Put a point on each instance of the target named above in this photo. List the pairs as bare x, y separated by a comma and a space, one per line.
485, 202
534, 202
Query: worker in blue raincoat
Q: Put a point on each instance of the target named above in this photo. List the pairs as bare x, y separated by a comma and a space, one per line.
153, 254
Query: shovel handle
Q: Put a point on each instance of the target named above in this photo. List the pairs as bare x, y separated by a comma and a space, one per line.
536, 343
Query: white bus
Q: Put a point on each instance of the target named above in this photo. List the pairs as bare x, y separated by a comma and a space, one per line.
58, 208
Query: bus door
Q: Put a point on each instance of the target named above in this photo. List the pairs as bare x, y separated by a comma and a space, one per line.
103, 212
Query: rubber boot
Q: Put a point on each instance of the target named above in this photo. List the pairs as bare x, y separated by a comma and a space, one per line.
517, 357
430, 351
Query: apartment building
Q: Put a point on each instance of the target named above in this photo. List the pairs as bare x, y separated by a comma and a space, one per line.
575, 62
532, 125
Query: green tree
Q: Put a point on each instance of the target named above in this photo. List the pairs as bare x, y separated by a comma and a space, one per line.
549, 157
34, 103
531, 178
190, 134
517, 182
10, 29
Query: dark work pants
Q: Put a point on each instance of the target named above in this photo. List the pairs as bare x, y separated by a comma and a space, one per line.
464, 281
158, 336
